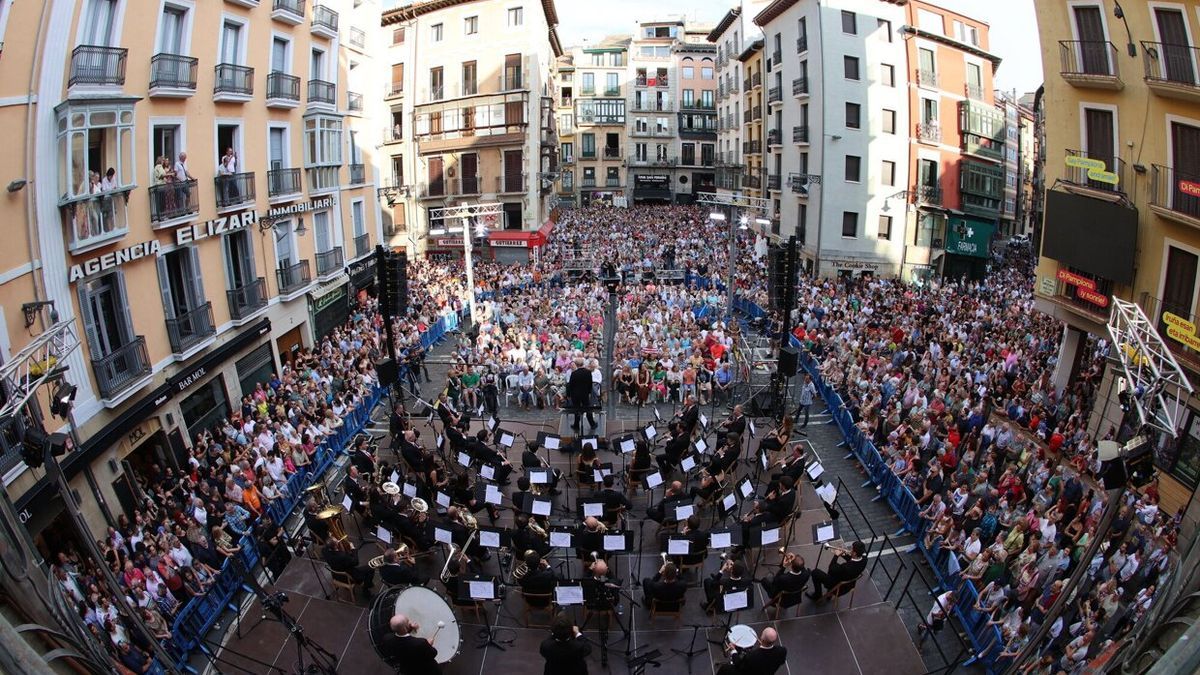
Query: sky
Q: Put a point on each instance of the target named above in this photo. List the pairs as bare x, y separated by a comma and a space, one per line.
1012, 23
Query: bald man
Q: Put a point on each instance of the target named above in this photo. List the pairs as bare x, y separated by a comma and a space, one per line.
761, 659
410, 654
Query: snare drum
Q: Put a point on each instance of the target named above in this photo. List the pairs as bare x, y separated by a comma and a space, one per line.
426, 607
742, 636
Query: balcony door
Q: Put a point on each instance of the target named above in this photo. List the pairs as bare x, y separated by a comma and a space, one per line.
1176, 52
513, 162
469, 164
1093, 44
285, 249
436, 176
324, 237
317, 65
179, 281
1101, 144
279, 55
167, 139
99, 28
1179, 285
105, 314
1185, 160
231, 42
512, 71
239, 260
174, 24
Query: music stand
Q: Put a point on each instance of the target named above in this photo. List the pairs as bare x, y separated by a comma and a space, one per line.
688, 463
823, 533
479, 588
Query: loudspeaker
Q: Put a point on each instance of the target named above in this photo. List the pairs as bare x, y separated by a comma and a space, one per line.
387, 371
789, 360
762, 404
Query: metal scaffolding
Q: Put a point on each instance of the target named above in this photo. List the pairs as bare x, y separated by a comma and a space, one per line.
1156, 385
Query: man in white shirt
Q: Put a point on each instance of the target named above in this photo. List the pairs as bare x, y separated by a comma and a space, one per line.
183, 191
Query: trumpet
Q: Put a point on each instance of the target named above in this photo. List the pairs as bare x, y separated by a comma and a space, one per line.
522, 568
538, 530
838, 550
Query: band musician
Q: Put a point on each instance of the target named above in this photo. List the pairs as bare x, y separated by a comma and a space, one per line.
845, 566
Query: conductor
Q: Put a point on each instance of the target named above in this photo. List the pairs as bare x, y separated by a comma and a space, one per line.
579, 393
565, 650
846, 565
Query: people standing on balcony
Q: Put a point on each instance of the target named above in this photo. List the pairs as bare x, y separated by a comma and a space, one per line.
226, 168
183, 193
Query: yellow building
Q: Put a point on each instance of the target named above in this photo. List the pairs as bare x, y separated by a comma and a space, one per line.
753, 140
188, 185
601, 139
1122, 207
470, 119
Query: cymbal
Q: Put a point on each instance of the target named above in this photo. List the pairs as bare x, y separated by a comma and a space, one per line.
314, 487
330, 511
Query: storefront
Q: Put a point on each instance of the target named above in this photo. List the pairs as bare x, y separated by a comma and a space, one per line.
289, 344
510, 246
255, 368
651, 188
362, 277
329, 306
968, 245
444, 248
589, 197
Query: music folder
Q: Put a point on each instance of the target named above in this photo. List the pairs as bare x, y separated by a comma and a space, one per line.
561, 537
725, 538
587, 507
539, 476
494, 537
592, 442
567, 594
764, 536
745, 488
826, 531
617, 541
679, 546
478, 587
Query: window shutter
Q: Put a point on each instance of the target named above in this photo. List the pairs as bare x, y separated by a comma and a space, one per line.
89, 319
197, 278
164, 285
127, 330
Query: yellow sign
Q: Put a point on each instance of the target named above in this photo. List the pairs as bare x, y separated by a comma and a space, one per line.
1185, 338
1179, 322
1134, 355
1077, 162
1104, 176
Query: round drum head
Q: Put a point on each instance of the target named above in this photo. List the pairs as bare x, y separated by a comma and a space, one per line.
426, 608
742, 636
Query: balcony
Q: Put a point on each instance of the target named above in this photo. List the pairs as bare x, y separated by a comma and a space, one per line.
191, 328
612, 91
358, 174
801, 44
329, 262
172, 75
774, 137
973, 91
249, 4
283, 90
245, 301
750, 180
95, 66
587, 154
746, 116
612, 182
587, 182
1175, 195
757, 113
756, 80
1109, 179
393, 134
121, 369
362, 244
929, 195
288, 11
293, 278
322, 94
354, 102
434, 189
774, 181
927, 78
393, 90
1083, 301
324, 22
174, 201
358, 38
1170, 70
751, 147
799, 184
283, 184
774, 95
746, 84
513, 183
776, 58
515, 81
612, 153
234, 83
234, 191
800, 134
465, 186
800, 86
929, 132
1090, 64
94, 220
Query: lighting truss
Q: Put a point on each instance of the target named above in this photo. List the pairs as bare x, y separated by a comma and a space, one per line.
737, 201
1158, 388
41, 361
467, 211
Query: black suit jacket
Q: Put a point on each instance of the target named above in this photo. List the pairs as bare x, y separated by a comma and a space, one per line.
579, 387
539, 581
842, 569
782, 506
413, 655
689, 418
399, 574
759, 661
736, 426
664, 591
565, 658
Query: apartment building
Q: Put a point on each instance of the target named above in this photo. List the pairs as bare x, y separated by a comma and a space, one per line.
730, 35
652, 147
957, 146
751, 101
601, 95
835, 142
470, 118
190, 200
564, 112
695, 63
1122, 216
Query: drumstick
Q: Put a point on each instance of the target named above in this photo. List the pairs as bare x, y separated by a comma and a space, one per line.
440, 626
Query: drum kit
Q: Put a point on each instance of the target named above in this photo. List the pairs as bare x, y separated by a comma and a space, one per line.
426, 608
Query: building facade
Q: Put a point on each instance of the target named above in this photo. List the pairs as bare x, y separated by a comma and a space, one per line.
197, 201
696, 68
601, 107
1122, 216
470, 119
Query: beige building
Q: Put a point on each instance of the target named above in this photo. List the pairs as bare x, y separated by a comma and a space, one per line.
470, 119
1122, 211
601, 139
190, 279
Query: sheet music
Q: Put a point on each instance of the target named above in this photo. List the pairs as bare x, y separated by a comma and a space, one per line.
736, 601
753, 429
597, 475
614, 542
825, 533
593, 509
728, 502
627, 445
605, 471
443, 500
684, 512
537, 477
488, 471
568, 595
701, 445
464, 459
507, 440
382, 534
481, 590
678, 546
703, 421
688, 463
491, 423
762, 457
815, 470
827, 493
770, 536
591, 442
654, 480
395, 477
442, 536
347, 503
492, 495
441, 441
559, 539
721, 540
552, 442
650, 432
489, 539
746, 489
410, 490
541, 508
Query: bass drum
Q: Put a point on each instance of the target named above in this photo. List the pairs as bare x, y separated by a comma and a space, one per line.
422, 606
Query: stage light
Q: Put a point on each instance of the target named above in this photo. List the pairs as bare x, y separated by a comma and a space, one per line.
716, 215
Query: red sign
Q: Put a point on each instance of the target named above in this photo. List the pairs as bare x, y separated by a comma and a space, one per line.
1098, 299
1189, 188
1077, 280
651, 82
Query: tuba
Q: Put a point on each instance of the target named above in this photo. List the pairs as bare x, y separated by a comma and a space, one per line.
521, 569
337, 530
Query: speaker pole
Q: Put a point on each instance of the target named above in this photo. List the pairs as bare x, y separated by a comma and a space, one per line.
385, 300
788, 297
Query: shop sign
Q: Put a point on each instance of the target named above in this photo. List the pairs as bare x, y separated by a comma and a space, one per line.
968, 237
851, 264
1076, 280
1077, 162
1103, 176
1189, 188
1183, 337
509, 243
1048, 286
329, 298
1179, 322
448, 242
303, 207
114, 259
194, 377
1098, 299
217, 226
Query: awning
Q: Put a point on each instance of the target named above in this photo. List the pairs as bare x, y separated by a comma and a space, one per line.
328, 287
521, 238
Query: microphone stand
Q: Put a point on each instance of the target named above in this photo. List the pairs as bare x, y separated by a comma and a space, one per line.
692, 650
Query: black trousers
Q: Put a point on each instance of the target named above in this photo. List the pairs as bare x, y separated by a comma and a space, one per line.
579, 408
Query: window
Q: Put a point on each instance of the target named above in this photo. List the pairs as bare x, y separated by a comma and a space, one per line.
469, 84
929, 110
568, 179
99, 23
706, 72
179, 281
853, 168
471, 25
587, 144
397, 36
853, 116
231, 42
589, 84
927, 68
93, 139
849, 22
612, 84
568, 151
616, 59
966, 33
706, 99
689, 98
925, 226
889, 172
597, 58
172, 36
931, 21
849, 224
103, 303
397, 77
707, 154
885, 27
885, 227
888, 74
436, 90
612, 176
850, 65
802, 34
639, 152
322, 141
435, 32
688, 157
689, 70
516, 16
